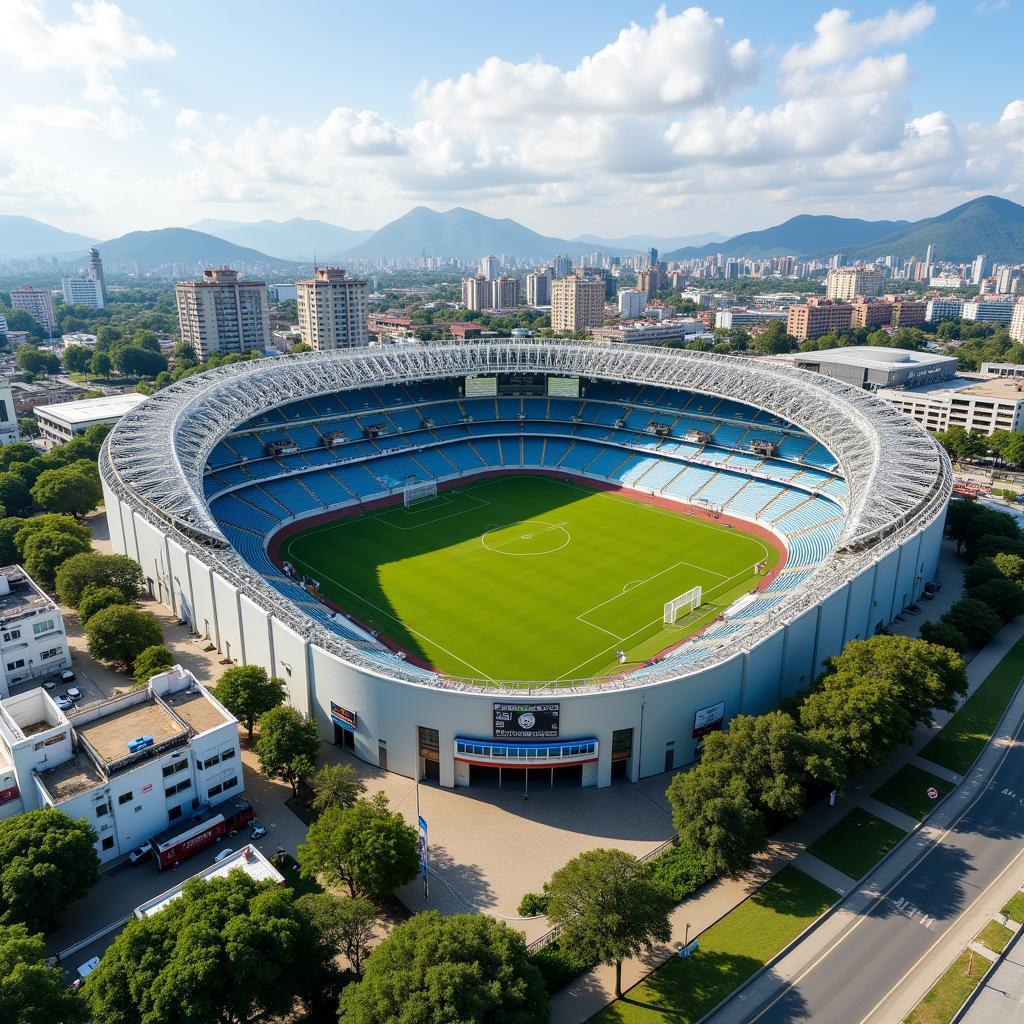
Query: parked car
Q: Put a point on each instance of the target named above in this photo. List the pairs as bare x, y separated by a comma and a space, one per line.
50, 683
140, 852
259, 830
74, 693
63, 704
67, 676
223, 855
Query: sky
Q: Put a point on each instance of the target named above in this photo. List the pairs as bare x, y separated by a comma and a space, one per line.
605, 117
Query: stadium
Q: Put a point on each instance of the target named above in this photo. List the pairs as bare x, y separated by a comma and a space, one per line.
526, 562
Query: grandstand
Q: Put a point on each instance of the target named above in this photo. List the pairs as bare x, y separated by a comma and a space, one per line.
260, 446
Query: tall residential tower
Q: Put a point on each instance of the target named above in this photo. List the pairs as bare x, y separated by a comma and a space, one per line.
333, 310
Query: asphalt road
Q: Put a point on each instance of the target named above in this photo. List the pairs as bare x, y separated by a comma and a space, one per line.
849, 978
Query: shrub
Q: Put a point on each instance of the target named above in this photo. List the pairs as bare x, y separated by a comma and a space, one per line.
558, 966
95, 599
533, 904
682, 871
945, 635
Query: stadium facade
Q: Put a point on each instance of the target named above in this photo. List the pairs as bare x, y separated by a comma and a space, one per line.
200, 477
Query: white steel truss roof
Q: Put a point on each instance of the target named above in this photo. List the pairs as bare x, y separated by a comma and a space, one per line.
899, 478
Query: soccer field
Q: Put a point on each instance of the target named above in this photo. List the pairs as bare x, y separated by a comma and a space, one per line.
527, 577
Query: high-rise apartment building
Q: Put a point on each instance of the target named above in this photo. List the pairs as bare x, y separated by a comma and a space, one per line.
96, 273
577, 302
561, 266
651, 281
978, 268
333, 310
490, 267
1017, 322
504, 292
995, 312
83, 291
632, 302
818, 317
844, 284
538, 287
37, 302
476, 292
221, 314
652, 257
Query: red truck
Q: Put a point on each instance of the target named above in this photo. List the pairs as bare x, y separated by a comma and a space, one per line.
176, 844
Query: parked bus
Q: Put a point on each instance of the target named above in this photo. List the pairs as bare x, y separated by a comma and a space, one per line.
176, 844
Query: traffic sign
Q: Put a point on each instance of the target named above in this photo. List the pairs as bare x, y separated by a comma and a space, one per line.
933, 793
688, 949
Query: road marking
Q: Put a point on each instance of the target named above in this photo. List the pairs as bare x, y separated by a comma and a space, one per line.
863, 915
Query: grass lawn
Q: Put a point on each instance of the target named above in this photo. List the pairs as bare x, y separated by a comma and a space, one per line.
995, 936
289, 867
527, 577
1014, 910
950, 991
907, 791
856, 843
730, 951
961, 739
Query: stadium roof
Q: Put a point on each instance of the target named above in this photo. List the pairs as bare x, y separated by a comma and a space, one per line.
898, 477
90, 410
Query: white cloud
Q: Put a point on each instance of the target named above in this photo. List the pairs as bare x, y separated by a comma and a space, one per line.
188, 119
29, 125
153, 97
871, 76
97, 41
680, 61
839, 38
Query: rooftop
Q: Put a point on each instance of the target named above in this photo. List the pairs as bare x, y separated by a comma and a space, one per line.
1010, 389
197, 710
22, 596
247, 859
70, 778
88, 409
858, 355
110, 734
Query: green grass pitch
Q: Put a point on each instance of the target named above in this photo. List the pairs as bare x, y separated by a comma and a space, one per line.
527, 577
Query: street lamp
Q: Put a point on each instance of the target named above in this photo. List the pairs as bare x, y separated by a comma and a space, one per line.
686, 935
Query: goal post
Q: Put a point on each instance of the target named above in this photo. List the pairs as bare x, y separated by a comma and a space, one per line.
687, 602
422, 491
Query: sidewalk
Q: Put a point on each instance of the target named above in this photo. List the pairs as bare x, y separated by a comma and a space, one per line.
592, 991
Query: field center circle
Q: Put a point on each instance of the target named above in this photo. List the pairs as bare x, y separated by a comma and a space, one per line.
529, 537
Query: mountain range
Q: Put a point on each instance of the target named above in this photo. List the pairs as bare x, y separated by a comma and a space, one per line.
24, 238
641, 243
988, 224
295, 239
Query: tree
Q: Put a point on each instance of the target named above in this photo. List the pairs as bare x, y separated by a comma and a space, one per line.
31, 991
92, 570
100, 364
945, 635
120, 633
50, 523
609, 906
94, 599
139, 362
1003, 596
72, 489
248, 692
431, 969
288, 746
45, 551
224, 950
1010, 566
76, 359
974, 619
9, 553
343, 924
47, 861
367, 847
14, 496
717, 822
34, 360
336, 785
151, 662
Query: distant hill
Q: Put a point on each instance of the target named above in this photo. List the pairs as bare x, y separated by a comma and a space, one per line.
990, 225
295, 239
181, 245
803, 235
460, 233
25, 237
641, 243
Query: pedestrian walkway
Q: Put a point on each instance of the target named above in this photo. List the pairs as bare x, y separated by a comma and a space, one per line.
999, 1000
594, 989
824, 873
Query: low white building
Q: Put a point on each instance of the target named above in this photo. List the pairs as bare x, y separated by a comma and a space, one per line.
972, 401
9, 432
996, 312
944, 309
83, 291
729, 318
33, 641
131, 766
650, 332
58, 424
78, 338
632, 303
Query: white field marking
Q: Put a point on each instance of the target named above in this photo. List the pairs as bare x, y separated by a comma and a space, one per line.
648, 625
548, 528
381, 516
441, 498
394, 618
681, 514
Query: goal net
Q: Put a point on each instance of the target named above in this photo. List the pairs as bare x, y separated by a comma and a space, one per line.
683, 603
420, 492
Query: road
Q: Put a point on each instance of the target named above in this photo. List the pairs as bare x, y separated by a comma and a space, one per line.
850, 977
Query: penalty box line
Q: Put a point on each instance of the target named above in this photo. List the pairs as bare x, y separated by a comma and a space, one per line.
480, 503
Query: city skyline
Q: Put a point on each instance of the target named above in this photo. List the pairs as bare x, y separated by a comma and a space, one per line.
658, 119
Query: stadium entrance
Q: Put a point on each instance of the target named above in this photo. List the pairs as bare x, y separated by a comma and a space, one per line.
525, 766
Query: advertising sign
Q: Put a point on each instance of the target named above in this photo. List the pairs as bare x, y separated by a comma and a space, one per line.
525, 721
421, 842
708, 719
343, 717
